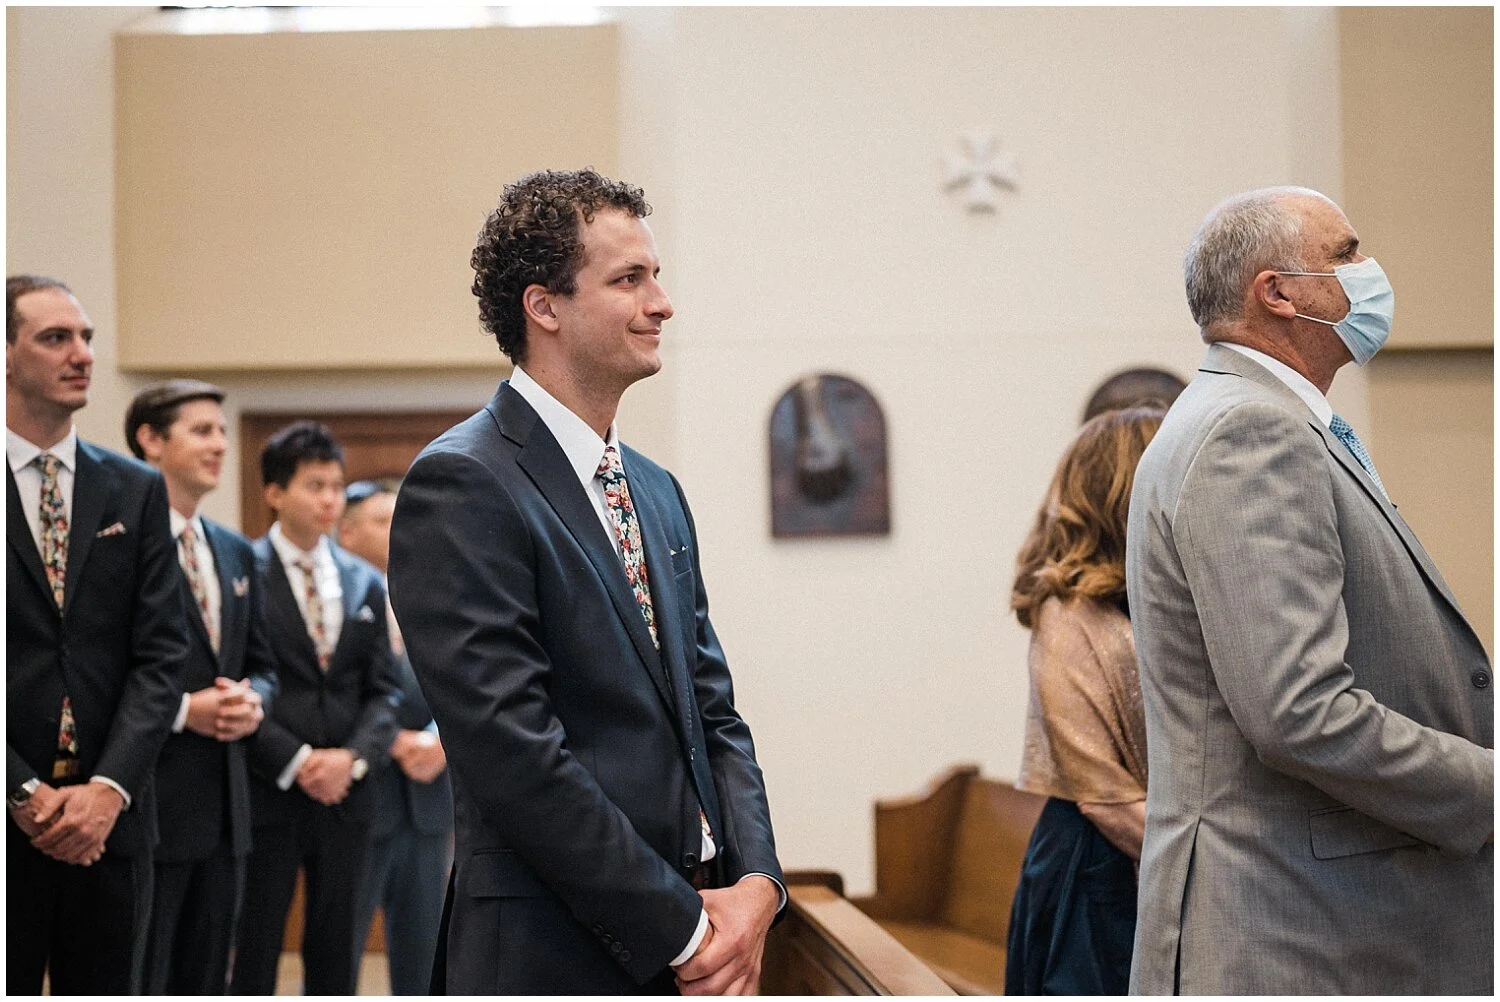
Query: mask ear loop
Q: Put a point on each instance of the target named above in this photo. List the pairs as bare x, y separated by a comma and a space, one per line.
1315, 274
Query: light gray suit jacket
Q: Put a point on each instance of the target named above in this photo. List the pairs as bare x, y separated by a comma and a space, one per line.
1317, 712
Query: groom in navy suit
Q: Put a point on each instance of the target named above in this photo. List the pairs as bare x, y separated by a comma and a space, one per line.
613, 834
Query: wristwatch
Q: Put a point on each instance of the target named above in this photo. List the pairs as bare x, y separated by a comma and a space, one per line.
21, 794
358, 770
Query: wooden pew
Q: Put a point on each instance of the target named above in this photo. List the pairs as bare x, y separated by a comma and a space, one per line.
826, 946
946, 868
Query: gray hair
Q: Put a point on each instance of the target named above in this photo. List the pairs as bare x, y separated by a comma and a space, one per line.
1242, 236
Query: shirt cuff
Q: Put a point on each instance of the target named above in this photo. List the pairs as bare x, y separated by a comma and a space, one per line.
181, 721
692, 947
779, 886
113, 786
289, 774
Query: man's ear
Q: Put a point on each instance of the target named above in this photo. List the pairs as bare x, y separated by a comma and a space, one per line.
1266, 293
536, 304
273, 494
149, 441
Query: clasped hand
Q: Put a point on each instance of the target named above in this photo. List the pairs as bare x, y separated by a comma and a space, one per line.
728, 959
419, 754
226, 711
327, 775
71, 823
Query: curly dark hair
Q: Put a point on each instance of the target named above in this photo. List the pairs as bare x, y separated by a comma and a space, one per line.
532, 239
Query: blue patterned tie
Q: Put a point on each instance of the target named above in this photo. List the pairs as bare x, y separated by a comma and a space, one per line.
1345, 434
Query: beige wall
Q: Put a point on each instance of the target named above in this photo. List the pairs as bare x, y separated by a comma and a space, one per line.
793, 159
1419, 154
1418, 105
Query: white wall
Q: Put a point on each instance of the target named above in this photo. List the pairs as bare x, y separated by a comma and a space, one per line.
792, 156
811, 234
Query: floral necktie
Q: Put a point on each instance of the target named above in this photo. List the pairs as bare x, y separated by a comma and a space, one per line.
628, 531
315, 628
54, 520
187, 554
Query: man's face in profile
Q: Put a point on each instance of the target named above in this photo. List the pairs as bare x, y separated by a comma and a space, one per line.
611, 326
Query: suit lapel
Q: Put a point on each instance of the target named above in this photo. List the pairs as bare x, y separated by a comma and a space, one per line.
671, 627
18, 535
351, 583
93, 484
546, 464
663, 585
286, 618
1413, 545
1226, 360
228, 604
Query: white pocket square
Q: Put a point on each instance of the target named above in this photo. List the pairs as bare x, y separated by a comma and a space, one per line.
366, 615
118, 529
241, 587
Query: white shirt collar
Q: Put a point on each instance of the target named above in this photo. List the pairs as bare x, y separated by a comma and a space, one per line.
291, 554
20, 453
179, 523
1294, 380
580, 443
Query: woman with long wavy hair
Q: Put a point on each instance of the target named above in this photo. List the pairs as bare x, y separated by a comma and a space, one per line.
1073, 918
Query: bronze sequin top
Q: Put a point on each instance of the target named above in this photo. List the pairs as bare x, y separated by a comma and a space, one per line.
1085, 730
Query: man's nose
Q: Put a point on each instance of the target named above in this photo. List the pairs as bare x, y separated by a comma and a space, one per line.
660, 306
83, 352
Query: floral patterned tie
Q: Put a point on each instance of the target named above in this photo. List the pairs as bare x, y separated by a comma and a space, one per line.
628, 531
54, 520
187, 554
315, 628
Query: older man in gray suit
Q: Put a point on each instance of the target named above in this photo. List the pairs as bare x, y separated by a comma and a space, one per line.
1318, 710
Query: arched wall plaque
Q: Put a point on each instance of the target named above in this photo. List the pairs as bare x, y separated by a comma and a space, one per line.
828, 460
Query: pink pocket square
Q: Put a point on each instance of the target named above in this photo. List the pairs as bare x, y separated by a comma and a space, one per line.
241, 587
118, 529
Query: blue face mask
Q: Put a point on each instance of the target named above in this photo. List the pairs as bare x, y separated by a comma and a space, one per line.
1372, 306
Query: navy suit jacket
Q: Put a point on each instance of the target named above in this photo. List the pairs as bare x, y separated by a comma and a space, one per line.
580, 754
351, 705
117, 648
425, 807
199, 778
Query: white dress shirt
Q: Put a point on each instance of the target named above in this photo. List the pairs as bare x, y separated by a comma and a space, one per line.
205, 555
20, 454
330, 594
1294, 380
584, 450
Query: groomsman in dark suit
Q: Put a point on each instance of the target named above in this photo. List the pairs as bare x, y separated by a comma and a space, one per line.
95, 642
203, 790
332, 721
413, 828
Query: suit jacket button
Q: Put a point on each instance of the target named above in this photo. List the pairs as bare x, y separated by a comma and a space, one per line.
1481, 679
615, 948
625, 957
598, 930
690, 860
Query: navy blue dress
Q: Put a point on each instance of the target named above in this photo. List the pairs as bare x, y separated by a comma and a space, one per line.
1072, 922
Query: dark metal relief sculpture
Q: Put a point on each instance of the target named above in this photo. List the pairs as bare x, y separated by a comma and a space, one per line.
828, 461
